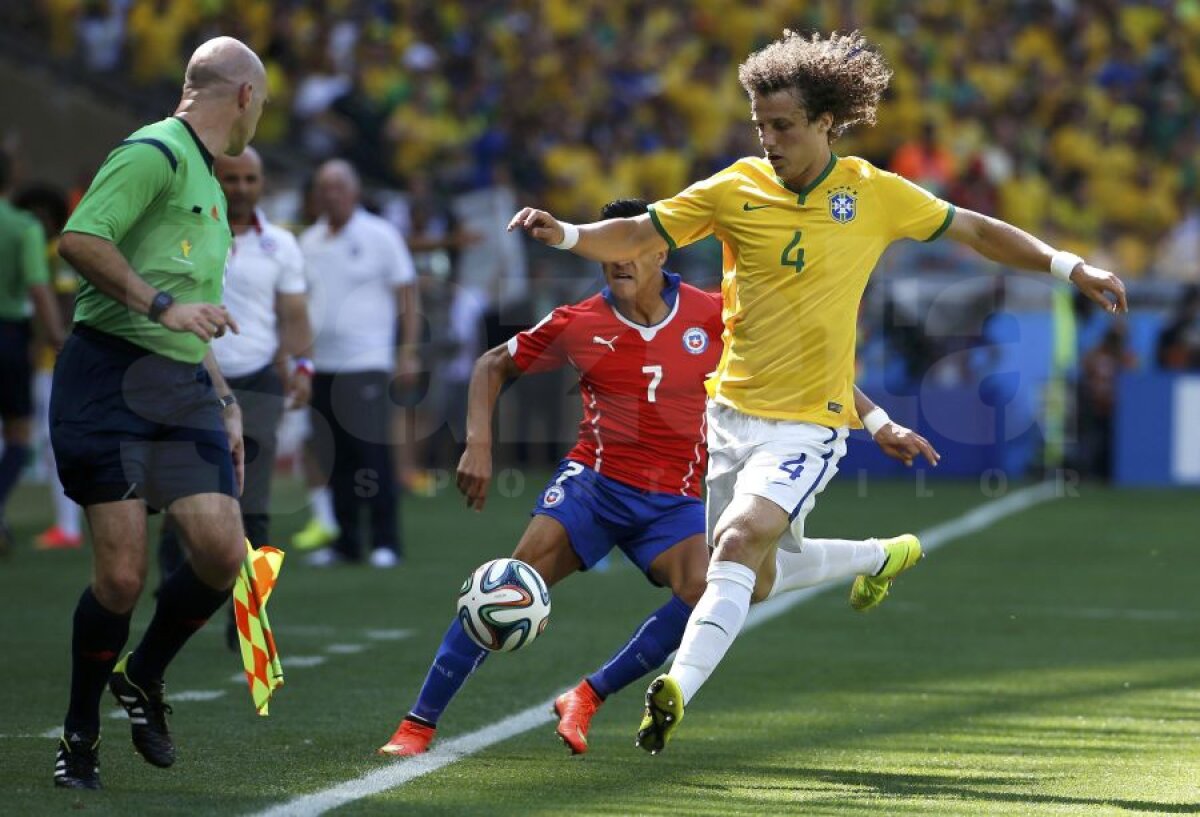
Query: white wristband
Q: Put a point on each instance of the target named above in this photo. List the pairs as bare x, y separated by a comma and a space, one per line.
570, 236
875, 419
1063, 263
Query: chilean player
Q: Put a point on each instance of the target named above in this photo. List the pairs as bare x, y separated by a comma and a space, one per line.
643, 348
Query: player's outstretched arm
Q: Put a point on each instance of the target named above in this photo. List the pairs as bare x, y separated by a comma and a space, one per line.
615, 239
492, 370
897, 442
1005, 244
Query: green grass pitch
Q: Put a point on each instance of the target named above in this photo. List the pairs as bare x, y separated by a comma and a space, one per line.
1047, 665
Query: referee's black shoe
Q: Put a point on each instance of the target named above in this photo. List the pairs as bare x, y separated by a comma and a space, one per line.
77, 764
147, 716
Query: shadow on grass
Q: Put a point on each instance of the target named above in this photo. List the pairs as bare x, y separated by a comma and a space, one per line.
892, 784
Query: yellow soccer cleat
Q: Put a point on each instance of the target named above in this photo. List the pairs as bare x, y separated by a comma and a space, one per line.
314, 535
903, 552
664, 711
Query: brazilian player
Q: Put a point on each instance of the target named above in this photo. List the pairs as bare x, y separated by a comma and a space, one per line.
802, 230
140, 417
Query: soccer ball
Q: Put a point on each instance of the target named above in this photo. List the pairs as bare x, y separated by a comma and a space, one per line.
504, 605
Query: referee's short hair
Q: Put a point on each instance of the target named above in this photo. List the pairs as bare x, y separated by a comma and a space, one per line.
623, 208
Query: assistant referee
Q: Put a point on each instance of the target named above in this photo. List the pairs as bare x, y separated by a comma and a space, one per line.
140, 417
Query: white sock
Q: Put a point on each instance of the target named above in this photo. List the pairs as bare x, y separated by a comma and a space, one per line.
713, 625
66, 512
826, 560
321, 500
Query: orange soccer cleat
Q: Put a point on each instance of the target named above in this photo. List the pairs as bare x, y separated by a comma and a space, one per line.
56, 538
575, 709
411, 738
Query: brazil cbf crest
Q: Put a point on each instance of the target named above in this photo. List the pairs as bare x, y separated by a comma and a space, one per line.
695, 340
843, 204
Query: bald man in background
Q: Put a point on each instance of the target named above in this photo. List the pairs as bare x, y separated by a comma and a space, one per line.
140, 417
362, 278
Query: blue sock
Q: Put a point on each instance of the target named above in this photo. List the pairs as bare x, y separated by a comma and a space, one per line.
456, 659
654, 640
11, 463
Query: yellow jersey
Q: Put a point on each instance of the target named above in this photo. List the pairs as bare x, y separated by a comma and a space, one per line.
796, 263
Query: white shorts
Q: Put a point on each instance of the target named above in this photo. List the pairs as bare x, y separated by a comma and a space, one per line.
786, 462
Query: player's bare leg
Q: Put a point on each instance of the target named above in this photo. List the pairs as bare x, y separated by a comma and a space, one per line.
682, 568
546, 548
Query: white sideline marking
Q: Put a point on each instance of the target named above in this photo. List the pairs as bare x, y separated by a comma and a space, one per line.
388, 635
344, 649
443, 754
301, 661
54, 734
197, 694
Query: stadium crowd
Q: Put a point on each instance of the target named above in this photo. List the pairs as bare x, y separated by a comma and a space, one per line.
1077, 121
1072, 119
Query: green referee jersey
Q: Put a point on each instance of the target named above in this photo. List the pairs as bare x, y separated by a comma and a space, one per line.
156, 198
22, 261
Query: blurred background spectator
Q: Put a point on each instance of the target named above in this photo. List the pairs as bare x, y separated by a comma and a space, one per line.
1099, 371
1052, 105
1179, 343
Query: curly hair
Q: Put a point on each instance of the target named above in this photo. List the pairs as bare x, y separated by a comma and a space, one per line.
842, 74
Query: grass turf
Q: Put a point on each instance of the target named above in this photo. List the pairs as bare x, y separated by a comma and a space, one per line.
1043, 666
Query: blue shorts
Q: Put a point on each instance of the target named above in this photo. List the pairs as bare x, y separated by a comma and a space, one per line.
600, 513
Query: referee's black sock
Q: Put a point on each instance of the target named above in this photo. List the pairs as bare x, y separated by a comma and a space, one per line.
11, 463
184, 605
96, 642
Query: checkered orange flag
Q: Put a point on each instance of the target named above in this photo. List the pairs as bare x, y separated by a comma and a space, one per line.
254, 584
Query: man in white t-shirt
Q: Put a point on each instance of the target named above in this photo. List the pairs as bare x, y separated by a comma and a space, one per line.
266, 292
362, 277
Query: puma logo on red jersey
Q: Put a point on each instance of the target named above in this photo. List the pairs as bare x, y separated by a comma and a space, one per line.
608, 343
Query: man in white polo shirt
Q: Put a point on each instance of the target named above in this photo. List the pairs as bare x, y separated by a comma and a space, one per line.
362, 277
266, 292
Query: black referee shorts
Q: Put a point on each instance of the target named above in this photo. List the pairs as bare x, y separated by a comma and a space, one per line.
126, 423
16, 370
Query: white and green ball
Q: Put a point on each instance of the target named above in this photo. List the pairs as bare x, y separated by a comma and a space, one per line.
504, 605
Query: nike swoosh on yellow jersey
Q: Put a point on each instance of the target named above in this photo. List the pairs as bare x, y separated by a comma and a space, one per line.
746, 206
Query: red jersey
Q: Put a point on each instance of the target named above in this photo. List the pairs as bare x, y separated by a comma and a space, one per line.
642, 386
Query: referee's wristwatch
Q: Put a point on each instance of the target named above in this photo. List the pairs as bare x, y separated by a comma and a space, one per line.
161, 303
227, 401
